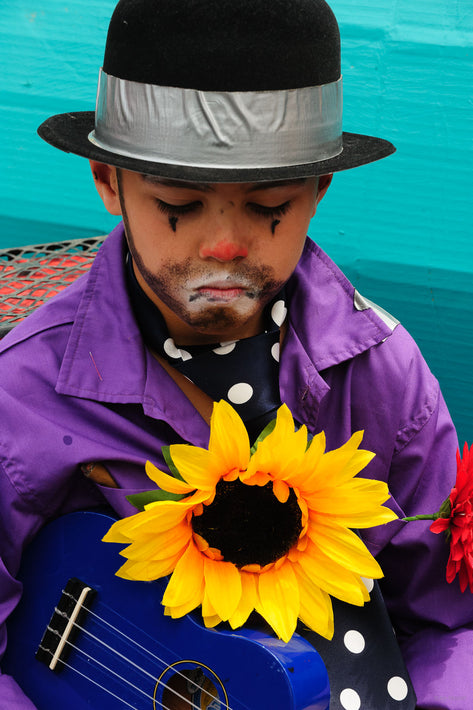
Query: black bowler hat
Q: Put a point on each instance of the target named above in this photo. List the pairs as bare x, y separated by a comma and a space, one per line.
219, 91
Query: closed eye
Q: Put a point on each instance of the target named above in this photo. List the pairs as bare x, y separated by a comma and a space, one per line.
178, 210
270, 212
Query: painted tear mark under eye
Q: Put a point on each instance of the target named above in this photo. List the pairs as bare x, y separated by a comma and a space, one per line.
173, 222
274, 224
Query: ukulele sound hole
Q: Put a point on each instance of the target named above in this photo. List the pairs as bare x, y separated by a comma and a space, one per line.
186, 685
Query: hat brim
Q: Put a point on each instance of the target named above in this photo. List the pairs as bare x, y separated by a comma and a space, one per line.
69, 132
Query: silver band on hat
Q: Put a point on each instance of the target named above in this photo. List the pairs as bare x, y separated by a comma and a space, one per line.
218, 129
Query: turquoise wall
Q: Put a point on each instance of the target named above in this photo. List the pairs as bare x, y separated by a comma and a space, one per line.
401, 228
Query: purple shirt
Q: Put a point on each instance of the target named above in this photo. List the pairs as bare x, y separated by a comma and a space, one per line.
78, 385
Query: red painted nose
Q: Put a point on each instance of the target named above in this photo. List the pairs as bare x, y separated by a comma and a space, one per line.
224, 251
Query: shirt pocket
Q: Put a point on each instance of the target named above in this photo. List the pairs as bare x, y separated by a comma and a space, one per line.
117, 499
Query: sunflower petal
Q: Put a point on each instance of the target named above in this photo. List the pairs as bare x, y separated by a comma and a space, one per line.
176, 612
282, 450
229, 440
279, 603
344, 464
281, 490
197, 466
300, 476
148, 570
332, 577
267, 430
165, 481
316, 447
223, 586
354, 497
211, 621
159, 516
185, 585
353, 442
284, 425
167, 544
207, 609
345, 547
316, 609
248, 600
364, 518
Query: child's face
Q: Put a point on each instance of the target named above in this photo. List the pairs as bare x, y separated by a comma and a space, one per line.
211, 256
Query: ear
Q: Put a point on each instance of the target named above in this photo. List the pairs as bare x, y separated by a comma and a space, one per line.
324, 184
105, 179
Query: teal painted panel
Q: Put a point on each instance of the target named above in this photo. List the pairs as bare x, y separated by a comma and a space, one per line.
401, 228
23, 232
407, 72
52, 51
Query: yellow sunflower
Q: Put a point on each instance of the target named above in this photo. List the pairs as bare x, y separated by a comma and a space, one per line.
265, 529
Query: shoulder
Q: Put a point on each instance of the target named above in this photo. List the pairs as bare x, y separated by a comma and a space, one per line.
332, 320
363, 353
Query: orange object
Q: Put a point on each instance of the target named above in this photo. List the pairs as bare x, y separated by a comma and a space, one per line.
30, 275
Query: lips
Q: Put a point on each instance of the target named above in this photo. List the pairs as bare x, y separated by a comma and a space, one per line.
221, 288
219, 293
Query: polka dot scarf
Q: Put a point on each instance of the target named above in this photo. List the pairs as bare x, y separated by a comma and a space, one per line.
364, 664
243, 372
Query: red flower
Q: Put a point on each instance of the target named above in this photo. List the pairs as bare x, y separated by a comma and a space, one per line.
455, 517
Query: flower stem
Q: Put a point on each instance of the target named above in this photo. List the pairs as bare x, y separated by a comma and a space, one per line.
420, 517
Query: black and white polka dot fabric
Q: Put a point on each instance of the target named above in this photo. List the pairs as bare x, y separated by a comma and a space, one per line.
243, 372
364, 664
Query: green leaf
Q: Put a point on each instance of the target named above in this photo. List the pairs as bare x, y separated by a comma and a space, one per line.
267, 430
309, 440
139, 500
445, 509
171, 465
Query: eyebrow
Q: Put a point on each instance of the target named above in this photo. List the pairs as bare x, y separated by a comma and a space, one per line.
276, 183
167, 182
207, 187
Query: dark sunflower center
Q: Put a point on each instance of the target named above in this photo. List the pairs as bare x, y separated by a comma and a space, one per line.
248, 524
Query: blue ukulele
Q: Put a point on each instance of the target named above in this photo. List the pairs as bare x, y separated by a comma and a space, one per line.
83, 638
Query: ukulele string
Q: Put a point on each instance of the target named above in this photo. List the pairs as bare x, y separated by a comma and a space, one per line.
121, 678
128, 661
118, 632
114, 630
114, 695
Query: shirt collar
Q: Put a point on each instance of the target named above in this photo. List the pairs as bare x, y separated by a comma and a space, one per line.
329, 323
326, 314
